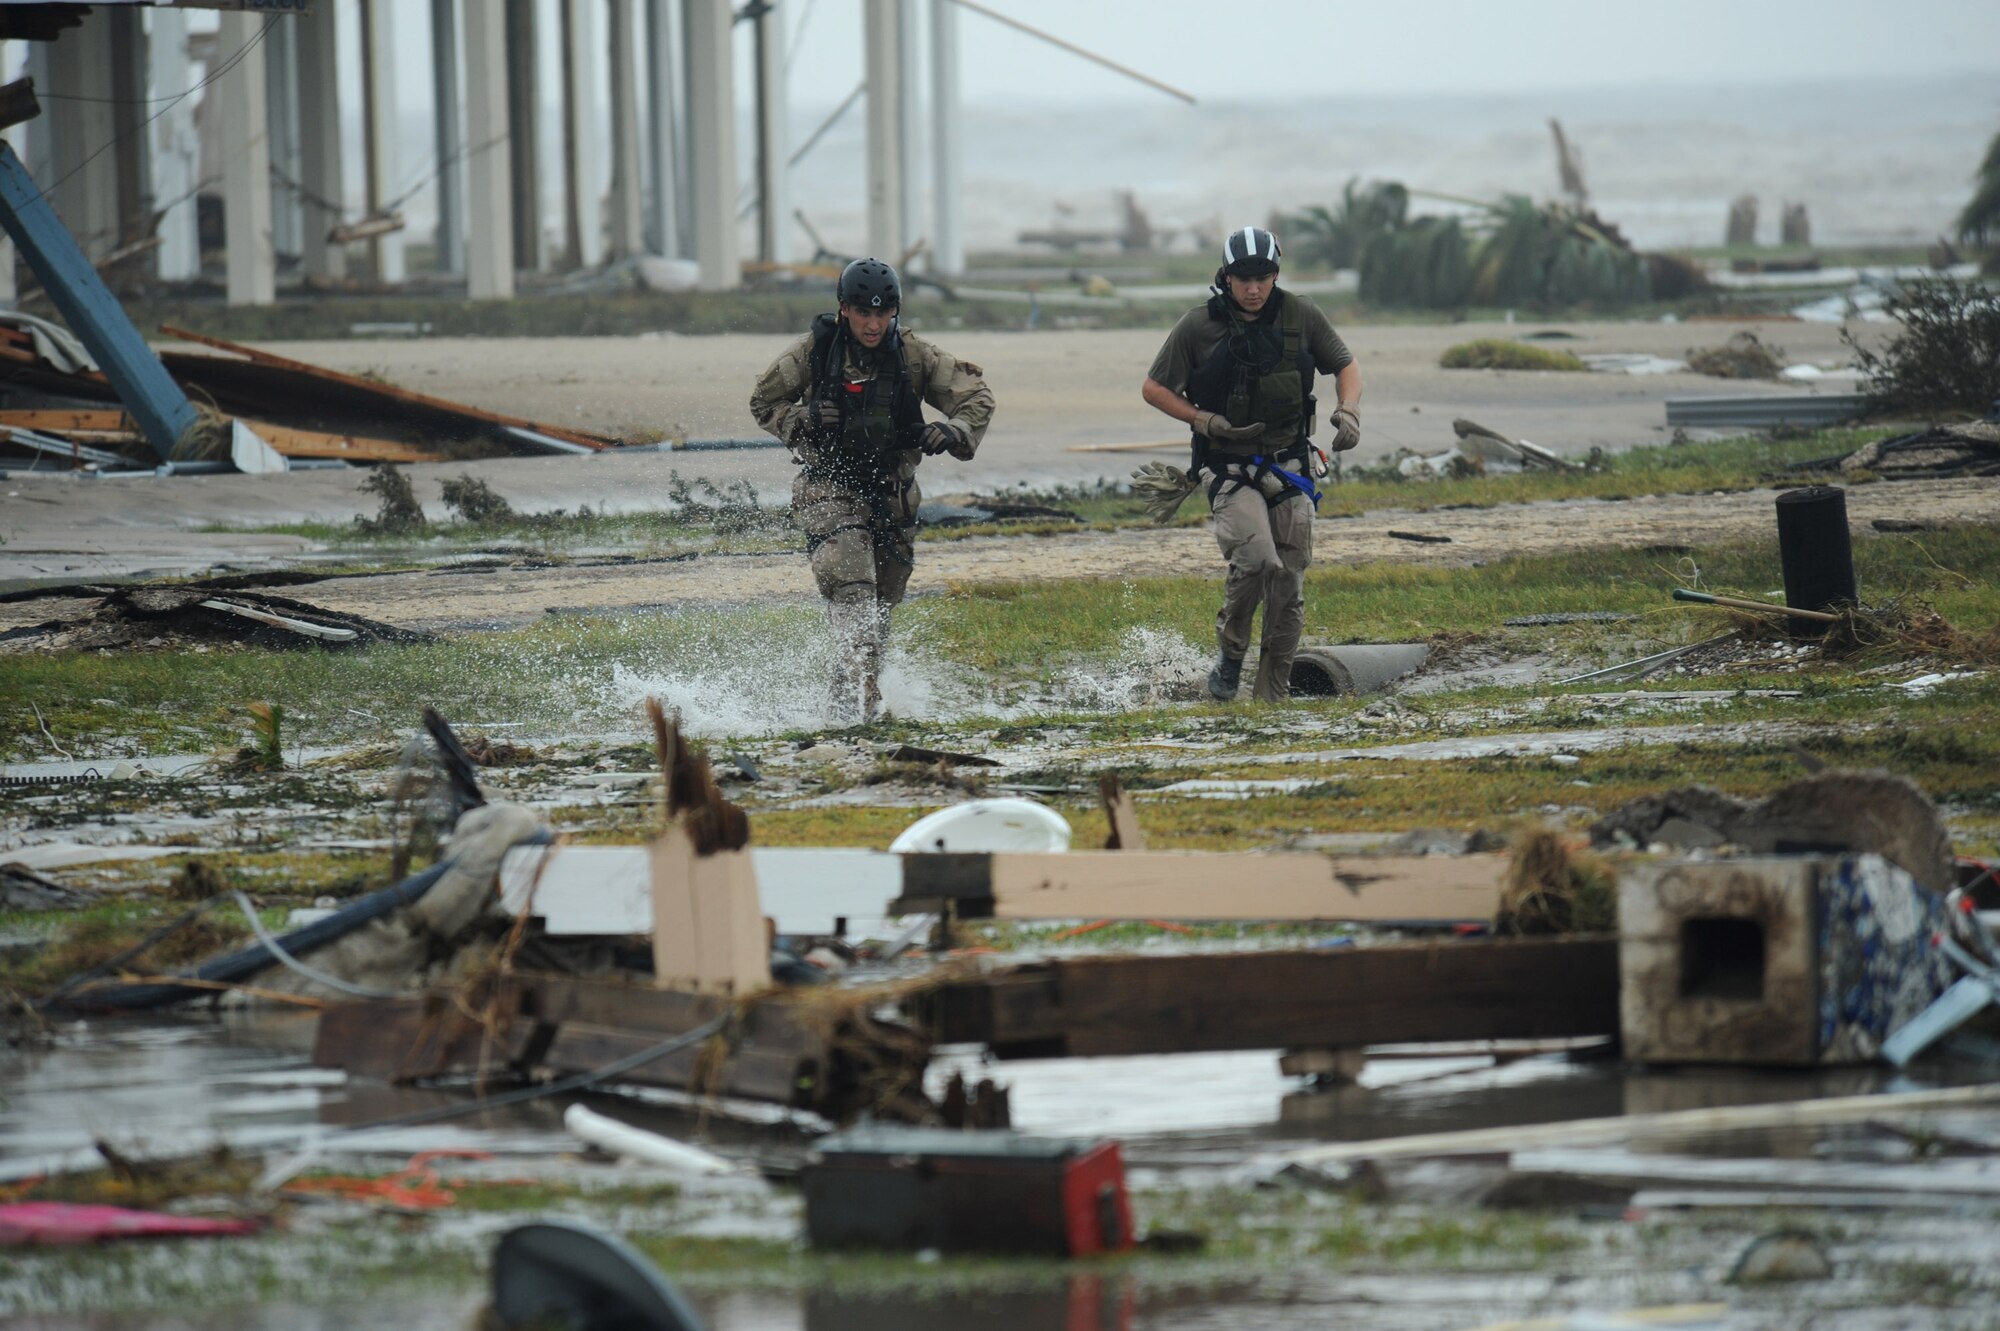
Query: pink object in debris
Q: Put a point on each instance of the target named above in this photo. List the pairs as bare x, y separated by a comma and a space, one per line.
27, 1223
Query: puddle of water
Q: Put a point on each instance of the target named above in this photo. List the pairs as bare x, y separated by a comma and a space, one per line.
761, 684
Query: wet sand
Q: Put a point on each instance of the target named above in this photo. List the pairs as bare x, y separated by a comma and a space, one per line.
1056, 391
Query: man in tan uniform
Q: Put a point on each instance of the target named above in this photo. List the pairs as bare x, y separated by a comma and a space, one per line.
847, 399
1238, 371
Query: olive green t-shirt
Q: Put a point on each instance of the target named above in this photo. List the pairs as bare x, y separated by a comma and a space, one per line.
1196, 335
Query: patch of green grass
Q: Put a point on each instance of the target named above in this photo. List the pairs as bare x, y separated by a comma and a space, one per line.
1370, 1236
557, 671
1497, 353
1746, 463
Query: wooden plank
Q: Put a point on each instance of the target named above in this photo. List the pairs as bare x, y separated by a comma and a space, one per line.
708, 928
62, 420
592, 442
1184, 885
402, 1039
748, 1071
658, 1013
1486, 989
296, 443
1120, 814
1670, 1125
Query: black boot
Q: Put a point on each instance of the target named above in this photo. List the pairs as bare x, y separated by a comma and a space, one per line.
1225, 678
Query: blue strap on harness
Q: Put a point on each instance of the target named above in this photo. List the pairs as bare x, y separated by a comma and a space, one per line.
1299, 483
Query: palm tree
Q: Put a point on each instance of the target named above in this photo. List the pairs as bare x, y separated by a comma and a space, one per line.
1980, 222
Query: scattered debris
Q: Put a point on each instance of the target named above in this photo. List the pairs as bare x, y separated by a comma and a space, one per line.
1743, 356
966, 1191
1004, 823
983, 511
304, 413
629, 1143
163, 616
1969, 449
1726, 961
21, 888
1782, 1256
50, 1224
561, 1273
1836, 811
1631, 363
1567, 617
1326, 672
913, 753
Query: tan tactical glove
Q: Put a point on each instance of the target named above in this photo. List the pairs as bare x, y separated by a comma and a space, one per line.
1162, 488
937, 439
1346, 424
1216, 426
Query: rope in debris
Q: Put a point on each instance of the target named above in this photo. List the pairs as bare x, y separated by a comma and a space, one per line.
575, 1082
293, 964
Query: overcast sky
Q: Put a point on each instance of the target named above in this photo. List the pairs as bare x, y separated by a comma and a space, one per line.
1243, 48
1238, 49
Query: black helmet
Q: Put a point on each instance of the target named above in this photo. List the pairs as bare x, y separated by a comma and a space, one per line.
869, 284
1250, 252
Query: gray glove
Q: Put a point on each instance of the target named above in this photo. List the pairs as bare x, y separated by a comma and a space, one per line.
1346, 424
825, 414
1217, 427
936, 439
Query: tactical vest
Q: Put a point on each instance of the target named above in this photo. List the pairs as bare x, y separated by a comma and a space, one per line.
1261, 371
879, 417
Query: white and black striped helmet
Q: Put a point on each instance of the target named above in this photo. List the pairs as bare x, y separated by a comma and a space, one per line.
1250, 252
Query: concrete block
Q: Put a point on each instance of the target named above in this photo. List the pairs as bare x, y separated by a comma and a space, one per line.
1778, 960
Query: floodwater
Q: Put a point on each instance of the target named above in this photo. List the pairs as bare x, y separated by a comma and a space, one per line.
162, 1085
168, 1085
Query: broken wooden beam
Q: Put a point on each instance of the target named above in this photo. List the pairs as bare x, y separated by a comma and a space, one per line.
1483, 989
297, 443
577, 440
1189, 885
800, 1050
56, 420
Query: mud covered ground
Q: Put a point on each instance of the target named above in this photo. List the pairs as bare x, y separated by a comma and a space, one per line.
126, 777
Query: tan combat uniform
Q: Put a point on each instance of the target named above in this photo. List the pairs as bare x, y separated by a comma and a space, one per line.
861, 542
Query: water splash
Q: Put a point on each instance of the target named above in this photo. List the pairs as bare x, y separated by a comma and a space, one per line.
1151, 666
732, 678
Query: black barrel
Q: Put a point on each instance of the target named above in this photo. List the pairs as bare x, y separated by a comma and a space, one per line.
1817, 555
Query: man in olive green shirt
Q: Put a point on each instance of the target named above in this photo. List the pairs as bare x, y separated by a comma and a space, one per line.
1238, 371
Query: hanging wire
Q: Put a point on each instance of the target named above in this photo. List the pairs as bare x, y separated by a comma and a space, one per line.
213, 74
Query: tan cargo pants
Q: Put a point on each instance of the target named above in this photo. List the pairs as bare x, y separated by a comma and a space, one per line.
1265, 531
862, 565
